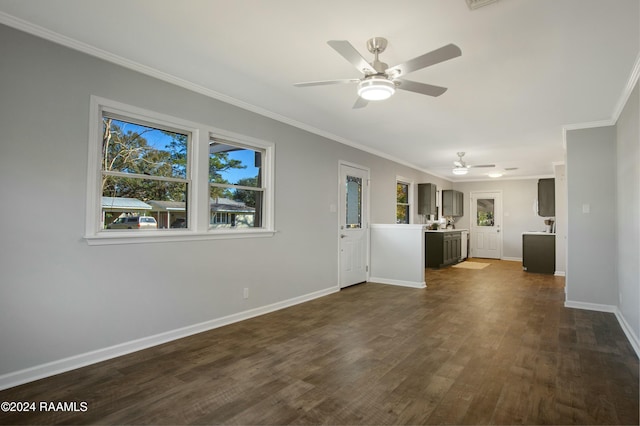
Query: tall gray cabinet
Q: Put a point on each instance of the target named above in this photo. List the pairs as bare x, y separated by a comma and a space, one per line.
427, 199
547, 197
452, 203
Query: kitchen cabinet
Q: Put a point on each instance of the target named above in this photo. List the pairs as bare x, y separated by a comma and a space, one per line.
539, 252
547, 197
452, 203
427, 199
442, 248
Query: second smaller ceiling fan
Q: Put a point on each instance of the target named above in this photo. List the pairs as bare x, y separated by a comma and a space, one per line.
462, 168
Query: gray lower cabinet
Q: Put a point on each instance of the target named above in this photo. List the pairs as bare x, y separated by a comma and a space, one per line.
539, 253
452, 203
442, 248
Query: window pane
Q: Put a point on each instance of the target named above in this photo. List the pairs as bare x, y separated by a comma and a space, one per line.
143, 150
234, 165
485, 208
354, 202
235, 208
125, 197
402, 191
230, 166
402, 213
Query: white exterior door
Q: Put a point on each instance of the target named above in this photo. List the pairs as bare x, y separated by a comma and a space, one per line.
353, 224
486, 225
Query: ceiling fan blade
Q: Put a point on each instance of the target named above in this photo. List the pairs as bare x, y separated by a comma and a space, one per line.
360, 103
483, 165
327, 82
442, 54
347, 51
422, 88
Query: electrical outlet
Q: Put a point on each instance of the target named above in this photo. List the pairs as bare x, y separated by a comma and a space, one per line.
245, 293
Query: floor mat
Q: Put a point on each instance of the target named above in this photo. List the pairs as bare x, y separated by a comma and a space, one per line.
471, 265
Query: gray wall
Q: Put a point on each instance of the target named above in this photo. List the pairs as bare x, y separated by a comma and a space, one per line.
561, 218
60, 297
518, 198
592, 219
603, 245
628, 204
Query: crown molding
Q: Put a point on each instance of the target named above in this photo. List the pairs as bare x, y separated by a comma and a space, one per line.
631, 84
622, 101
71, 43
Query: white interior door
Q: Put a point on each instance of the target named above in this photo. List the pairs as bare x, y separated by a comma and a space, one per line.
486, 225
354, 225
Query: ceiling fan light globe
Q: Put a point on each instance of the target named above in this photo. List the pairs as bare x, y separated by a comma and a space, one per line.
459, 170
376, 89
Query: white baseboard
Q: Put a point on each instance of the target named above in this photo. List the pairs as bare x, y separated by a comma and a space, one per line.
628, 331
590, 306
71, 363
560, 274
626, 328
412, 284
512, 259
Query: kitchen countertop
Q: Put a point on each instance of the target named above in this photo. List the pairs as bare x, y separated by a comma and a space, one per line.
538, 233
446, 230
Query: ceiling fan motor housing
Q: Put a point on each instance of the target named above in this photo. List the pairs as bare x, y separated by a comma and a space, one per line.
377, 44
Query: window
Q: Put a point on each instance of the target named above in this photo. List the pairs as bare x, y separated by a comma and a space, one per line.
235, 185
148, 179
144, 169
353, 202
402, 202
485, 209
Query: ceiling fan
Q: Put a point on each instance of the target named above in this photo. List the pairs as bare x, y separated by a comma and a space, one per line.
462, 168
381, 81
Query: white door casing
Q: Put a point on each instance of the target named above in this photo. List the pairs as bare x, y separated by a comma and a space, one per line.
353, 232
486, 224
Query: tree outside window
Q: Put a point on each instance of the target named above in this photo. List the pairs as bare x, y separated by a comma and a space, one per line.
402, 202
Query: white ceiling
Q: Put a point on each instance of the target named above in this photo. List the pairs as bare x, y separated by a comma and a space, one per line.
528, 67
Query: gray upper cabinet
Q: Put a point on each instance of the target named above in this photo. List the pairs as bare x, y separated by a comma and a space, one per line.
452, 203
547, 197
427, 199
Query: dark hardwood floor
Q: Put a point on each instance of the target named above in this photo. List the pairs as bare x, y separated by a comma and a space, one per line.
490, 346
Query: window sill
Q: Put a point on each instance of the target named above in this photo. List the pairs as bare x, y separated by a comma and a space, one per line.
171, 236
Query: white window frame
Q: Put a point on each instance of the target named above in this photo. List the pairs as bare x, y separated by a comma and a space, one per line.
197, 176
267, 171
410, 188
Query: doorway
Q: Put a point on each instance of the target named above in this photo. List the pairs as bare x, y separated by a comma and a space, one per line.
486, 225
353, 196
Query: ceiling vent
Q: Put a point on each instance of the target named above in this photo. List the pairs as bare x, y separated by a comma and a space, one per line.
474, 4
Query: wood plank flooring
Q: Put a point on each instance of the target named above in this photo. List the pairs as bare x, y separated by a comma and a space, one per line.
490, 346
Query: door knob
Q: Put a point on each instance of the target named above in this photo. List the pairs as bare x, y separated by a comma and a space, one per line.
343, 236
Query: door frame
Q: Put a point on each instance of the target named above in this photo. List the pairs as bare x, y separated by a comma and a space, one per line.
365, 216
499, 216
